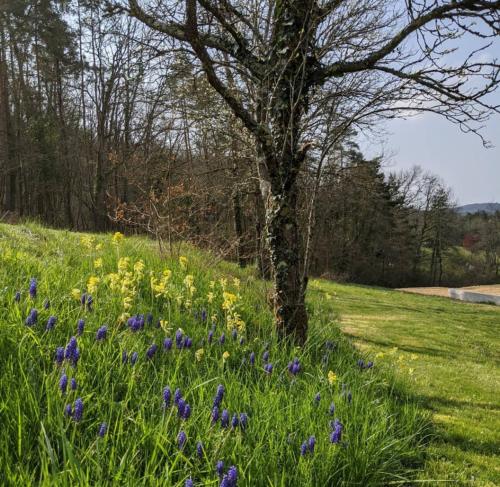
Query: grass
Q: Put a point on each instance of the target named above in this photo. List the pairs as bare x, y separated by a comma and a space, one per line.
383, 433
449, 353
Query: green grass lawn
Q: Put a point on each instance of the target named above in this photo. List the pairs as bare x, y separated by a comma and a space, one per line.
447, 352
383, 432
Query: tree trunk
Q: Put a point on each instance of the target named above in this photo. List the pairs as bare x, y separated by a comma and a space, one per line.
287, 257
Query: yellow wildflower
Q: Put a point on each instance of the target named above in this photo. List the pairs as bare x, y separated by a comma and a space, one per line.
164, 324
139, 267
98, 263
76, 293
223, 282
229, 300
87, 241
414, 356
188, 281
225, 356
332, 377
167, 274
212, 284
210, 297
123, 264
236, 282
199, 354
117, 238
410, 371
183, 262
127, 302
92, 284
123, 317
98, 247
379, 355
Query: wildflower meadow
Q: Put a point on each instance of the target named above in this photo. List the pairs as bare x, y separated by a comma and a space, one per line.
121, 366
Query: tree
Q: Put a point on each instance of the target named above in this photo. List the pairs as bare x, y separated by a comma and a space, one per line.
281, 53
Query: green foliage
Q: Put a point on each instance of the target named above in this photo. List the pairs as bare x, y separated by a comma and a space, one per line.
447, 352
383, 434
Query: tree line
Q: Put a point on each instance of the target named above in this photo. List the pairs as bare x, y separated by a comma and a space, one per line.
233, 125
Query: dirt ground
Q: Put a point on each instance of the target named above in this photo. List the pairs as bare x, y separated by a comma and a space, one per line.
443, 291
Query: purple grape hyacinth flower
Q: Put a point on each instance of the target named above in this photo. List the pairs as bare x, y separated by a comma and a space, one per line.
167, 344
235, 421
59, 355
369, 365
167, 396
181, 405
103, 428
265, 356
32, 318
68, 410
73, 384
134, 357
178, 339
46, 304
189, 483
361, 364
101, 333
224, 419
199, 449
51, 322
33, 288
187, 342
268, 368
203, 315
17, 297
215, 414
124, 357
219, 468
243, 421
70, 348
177, 396
63, 383
151, 351
75, 358
303, 449
182, 439
252, 358
222, 339
232, 476
294, 367
80, 326
210, 336
149, 319
336, 435
311, 443
317, 398
83, 300
78, 413
90, 302
186, 413
219, 395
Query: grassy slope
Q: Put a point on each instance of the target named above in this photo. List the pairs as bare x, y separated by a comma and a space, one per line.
452, 348
39, 445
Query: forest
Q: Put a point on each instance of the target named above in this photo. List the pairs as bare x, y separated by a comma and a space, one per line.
103, 126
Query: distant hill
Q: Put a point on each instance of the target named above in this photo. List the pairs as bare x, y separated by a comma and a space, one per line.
477, 208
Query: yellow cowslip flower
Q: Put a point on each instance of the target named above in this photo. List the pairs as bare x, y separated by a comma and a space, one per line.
410, 371
76, 294
332, 377
114, 281
98, 263
92, 284
123, 264
211, 284
199, 354
117, 238
178, 298
139, 267
123, 318
225, 356
414, 356
210, 297
87, 241
98, 247
214, 318
164, 324
229, 300
167, 274
379, 355
236, 282
188, 281
127, 302
183, 262
223, 282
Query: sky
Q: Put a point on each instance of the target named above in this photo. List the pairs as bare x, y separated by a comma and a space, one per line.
438, 146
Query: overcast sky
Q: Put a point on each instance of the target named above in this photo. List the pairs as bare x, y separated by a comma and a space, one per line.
440, 147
